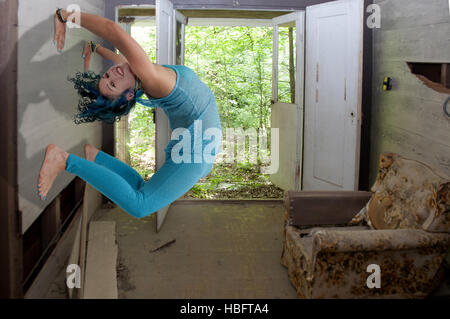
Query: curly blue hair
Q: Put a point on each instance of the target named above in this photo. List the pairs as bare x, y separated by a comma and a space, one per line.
93, 106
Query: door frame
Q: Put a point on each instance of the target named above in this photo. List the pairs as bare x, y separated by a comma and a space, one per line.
160, 116
288, 11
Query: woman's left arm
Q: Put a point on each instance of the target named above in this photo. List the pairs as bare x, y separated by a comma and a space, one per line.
103, 52
110, 55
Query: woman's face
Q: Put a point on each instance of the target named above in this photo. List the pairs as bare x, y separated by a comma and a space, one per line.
116, 81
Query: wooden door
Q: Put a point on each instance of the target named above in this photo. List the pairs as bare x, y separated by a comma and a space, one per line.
333, 88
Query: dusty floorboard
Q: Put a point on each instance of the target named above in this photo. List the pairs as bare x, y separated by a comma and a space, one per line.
221, 251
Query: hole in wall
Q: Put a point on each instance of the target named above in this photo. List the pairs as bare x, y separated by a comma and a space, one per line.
434, 75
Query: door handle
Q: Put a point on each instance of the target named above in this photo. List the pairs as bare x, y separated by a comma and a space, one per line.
317, 72
352, 117
345, 89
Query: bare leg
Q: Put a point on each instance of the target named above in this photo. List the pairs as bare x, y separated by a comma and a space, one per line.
54, 163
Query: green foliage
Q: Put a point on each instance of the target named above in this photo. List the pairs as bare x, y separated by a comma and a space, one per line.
235, 181
284, 87
140, 120
146, 37
142, 140
236, 63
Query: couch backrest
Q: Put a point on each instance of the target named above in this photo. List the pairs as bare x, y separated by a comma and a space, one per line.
409, 194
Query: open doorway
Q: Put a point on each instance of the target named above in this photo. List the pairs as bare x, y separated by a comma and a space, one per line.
234, 57
236, 63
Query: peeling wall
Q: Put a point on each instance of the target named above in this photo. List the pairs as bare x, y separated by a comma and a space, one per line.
46, 100
409, 120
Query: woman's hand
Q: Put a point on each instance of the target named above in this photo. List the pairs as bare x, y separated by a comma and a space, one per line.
60, 33
87, 55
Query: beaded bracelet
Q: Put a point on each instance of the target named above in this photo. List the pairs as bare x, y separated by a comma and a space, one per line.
94, 46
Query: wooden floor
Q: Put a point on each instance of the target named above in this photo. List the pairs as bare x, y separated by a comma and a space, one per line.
221, 250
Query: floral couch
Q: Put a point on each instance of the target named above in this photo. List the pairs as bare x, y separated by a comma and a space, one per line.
402, 226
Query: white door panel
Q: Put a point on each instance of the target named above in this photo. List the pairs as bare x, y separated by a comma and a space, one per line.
333, 95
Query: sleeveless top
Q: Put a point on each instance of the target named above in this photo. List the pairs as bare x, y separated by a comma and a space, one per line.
190, 105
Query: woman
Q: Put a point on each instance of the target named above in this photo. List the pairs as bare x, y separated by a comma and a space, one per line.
176, 89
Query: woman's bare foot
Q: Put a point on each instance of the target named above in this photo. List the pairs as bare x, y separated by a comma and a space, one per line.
54, 162
90, 152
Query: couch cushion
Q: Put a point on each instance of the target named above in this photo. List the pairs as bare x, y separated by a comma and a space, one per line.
408, 194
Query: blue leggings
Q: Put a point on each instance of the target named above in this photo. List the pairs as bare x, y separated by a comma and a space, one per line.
124, 186
190, 100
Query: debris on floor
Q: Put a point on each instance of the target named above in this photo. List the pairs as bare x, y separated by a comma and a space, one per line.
163, 246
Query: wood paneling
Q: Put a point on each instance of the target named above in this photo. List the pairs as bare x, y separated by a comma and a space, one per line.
236, 14
241, 14
409, 119
32, 247
42, 236
11, 272
57, 259
51, 222
136, 12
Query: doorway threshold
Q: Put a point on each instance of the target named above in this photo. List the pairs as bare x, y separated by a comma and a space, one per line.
228, 201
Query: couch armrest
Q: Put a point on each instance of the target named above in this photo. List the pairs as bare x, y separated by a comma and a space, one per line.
313, 208
378, 240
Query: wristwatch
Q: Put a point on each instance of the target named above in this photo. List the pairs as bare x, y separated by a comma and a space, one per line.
59, 15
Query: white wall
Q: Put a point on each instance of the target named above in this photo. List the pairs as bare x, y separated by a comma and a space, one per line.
46, 100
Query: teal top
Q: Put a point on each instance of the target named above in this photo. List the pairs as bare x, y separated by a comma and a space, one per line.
189, 100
